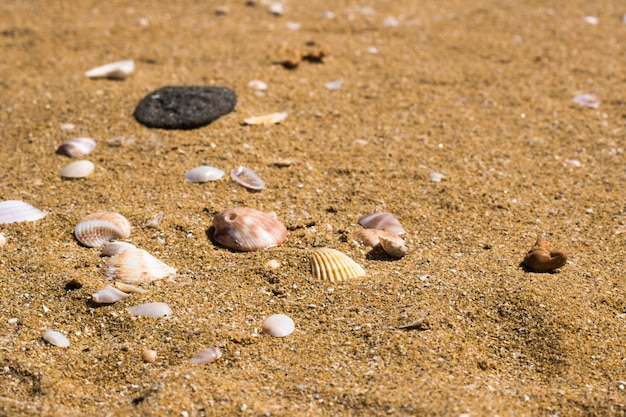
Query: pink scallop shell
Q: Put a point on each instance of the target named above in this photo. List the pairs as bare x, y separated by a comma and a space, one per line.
98, 228
246, 229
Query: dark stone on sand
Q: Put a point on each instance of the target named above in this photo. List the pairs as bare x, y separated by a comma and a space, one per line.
184, 107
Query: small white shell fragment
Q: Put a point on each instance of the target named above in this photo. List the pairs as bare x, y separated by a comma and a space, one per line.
12, 211
257, 85
77, 147
587, 100
119, 70
591, 20
152, 310
56, 338
372, 50
267, 119
208, 355
114, 248
390, 22
3, 240
130, 288
154, 222
293, 25
67, 126
334, 85
78, 169
278, 325
203, 173
108, 295
436, 176
574, 162
149, 355
247, 178
277, 9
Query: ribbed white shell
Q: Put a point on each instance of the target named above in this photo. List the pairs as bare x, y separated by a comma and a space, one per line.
136, 266
98, 228
12, 211
331, 265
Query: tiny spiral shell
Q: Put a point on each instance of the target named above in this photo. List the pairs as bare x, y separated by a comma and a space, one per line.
331, 265
98, 228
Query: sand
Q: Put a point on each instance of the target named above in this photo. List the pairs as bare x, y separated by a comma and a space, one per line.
480, 92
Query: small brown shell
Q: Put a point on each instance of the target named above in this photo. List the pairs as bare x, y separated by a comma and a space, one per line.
542, 258
246, 229
135, 265
382, 221
331, 265
98, 228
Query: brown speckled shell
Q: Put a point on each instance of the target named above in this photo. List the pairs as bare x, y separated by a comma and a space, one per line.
331, 265
246, 229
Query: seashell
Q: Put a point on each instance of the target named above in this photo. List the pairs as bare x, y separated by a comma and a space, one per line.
119, 70
56, 338
149, 355
278, 325
246, 229
394, 246
134, 266
247, 178
154, 222
66, 127
257, 85
152, 310
12, 211
114, 248
436, 176
108, 295
78, 169
129, 288
98, 228
277, 9
542, 258
334, 85
77, 147
382, 221
208, 355
3, 240
203, 173
331, 265
268, 119
371, 237
587, 100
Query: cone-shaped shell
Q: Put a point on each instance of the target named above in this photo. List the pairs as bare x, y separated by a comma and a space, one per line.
246, 229
331, 265
12, 211
136, 266
98, 228
382, 221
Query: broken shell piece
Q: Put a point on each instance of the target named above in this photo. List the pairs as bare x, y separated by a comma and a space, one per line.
394, 246
56, 338
78, 169
152, 310
149, 355
136, 266
382, 221
3, 240
542, 258
77, 147
108, 295
98, 228
155, 221
331, 265
130, 288
278, 325
257, 85
119, 70
587, 100
246, 229
12, 211
371, 237
114, 248
436, 176
204, 173
208, 355
268, 119
247, 178
334, 85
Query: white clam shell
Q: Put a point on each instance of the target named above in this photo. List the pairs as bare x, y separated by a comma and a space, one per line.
136, 266
204, 173
208, 355
109, 295
246, 229
247, 178
268, 119
56, 338
119, 70
77, 147
152, 310
331, 265
98, 228
381, 221
12, 211
78, 169
278, 325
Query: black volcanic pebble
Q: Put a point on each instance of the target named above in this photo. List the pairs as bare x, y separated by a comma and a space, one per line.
184, 107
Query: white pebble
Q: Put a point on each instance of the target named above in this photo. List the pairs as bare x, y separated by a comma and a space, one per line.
257, 85
278, 325
152, 310
276, 9
78, 169
55, 338
334, 85
592, 20
436, 177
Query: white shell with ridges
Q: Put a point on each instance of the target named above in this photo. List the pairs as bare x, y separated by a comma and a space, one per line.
56, 338
108, 295
382, 221
136, 266
77, 147
331, 265
246, 229
78, 169
12, 211
152, 310
98, 228
204, 173
115, 70
207, 355
278, 325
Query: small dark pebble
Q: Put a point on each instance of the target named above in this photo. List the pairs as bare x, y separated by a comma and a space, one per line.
184, 107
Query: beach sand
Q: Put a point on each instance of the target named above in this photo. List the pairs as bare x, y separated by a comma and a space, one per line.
480, 92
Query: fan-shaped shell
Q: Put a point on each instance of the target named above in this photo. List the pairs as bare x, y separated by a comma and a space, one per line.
331, 265
98, 228
247, 229
135, 265
77, 147
382, 221
12, 211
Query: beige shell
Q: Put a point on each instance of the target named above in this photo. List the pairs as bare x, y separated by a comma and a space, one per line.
331, 265
136, 266
98, 228
267, 119
78, 169
371, 237
394, 246
246, 229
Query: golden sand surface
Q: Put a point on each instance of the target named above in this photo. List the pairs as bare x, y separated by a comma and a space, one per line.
478, 91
